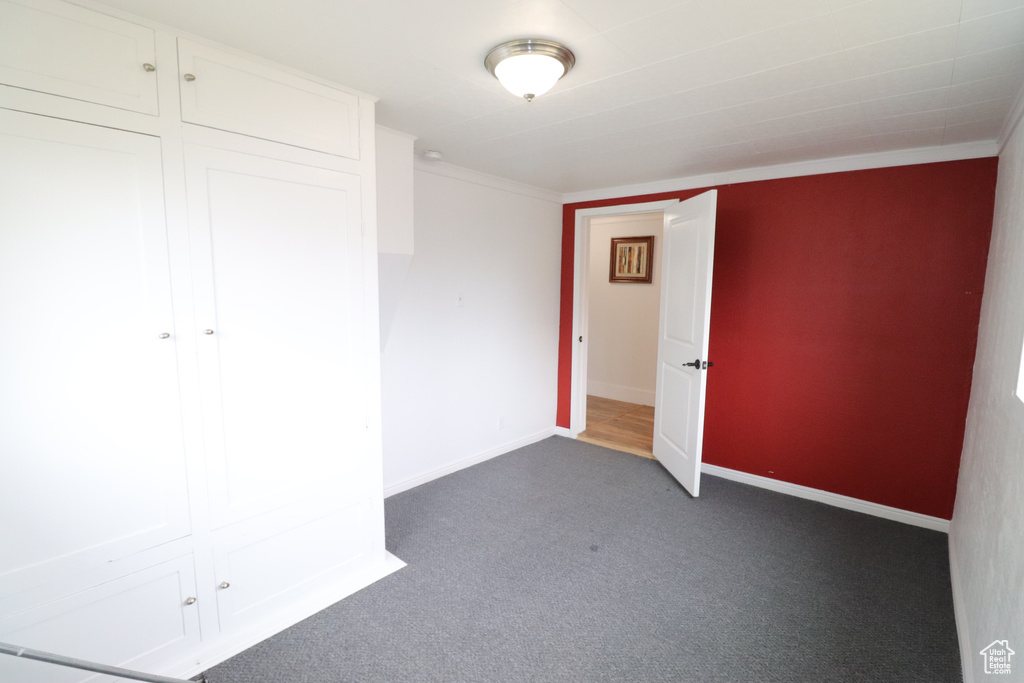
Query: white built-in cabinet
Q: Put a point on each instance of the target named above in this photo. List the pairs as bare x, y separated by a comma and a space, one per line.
224, 91
189, 386
54, 47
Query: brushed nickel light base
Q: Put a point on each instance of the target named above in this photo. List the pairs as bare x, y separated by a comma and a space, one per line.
530, 46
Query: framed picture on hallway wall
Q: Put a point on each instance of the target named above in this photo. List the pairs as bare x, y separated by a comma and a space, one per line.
631, 259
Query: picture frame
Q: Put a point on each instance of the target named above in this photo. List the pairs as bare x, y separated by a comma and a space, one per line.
631, 259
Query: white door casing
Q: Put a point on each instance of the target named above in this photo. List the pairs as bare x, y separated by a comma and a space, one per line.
581, 324
687, 257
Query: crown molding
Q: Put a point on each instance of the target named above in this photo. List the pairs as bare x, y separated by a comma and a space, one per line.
477, 178
907, 157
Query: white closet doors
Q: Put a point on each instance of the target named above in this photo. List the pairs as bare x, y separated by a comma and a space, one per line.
221, 90
189, 414
137, 621
276, 256
90, 419
58, 48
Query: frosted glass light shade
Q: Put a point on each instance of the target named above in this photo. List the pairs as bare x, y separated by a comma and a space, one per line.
529, 66
525, 75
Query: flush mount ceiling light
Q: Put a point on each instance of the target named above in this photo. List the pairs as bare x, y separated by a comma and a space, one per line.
529, 66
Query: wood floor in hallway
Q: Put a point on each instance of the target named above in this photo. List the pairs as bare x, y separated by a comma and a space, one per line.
623, 426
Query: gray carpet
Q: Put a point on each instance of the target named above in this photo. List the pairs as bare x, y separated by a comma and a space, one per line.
564, 561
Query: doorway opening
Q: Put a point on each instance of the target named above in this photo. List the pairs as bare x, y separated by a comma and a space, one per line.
622, 322
592, 255
684, 310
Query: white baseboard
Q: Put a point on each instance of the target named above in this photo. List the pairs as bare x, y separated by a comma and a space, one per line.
963, 636
413, 482
618, 392
845, 502
566, 432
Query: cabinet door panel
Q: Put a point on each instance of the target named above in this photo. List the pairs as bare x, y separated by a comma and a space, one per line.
57, 48
277, 262
266, 573
139, 621
90, 427
238, 95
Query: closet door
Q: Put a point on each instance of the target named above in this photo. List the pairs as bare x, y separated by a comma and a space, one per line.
277, 268
271, 570
90, 427
58, 48
222, 90
144, 620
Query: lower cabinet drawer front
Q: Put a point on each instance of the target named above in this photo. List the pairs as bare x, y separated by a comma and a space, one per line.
259, 577
139, 621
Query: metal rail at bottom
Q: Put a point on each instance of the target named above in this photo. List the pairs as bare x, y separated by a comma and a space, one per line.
61, 660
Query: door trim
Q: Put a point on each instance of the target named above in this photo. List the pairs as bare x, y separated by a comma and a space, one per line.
580, 317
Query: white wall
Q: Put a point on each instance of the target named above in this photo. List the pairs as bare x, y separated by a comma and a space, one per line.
987, 531
622, 353
470, 369
394, 191
394, 221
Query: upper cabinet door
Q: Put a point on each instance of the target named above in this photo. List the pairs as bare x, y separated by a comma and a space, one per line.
277, 263
90, 415
61, 49
223, 91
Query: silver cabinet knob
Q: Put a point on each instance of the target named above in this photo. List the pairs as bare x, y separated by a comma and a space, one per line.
165, 335
190, 600
190, 77
224, 585
148, 67
207, 331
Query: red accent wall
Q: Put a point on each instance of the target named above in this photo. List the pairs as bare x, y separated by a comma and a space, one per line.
844, 320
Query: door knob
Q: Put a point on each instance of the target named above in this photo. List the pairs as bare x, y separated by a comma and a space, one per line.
694, 364
190, 601
165, 335
207, 331
224, 585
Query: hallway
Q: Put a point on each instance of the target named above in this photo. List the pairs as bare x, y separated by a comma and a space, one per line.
623, 426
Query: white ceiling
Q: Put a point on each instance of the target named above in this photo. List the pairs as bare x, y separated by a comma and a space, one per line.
661, 89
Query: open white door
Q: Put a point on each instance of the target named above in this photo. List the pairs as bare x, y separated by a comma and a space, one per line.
687, 256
